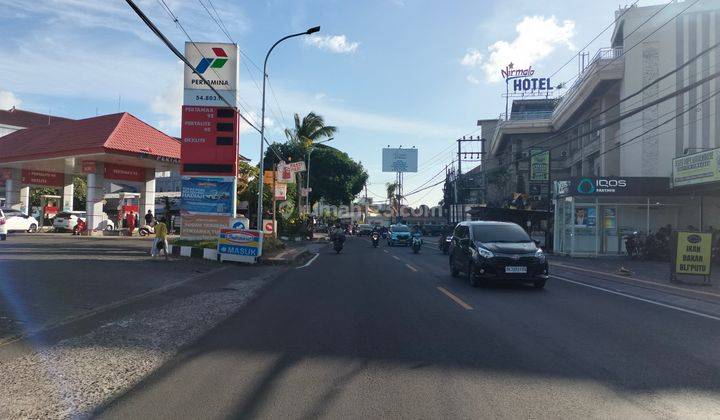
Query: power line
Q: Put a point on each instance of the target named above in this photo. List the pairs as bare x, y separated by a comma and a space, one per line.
423, 189
636, 110
596, 37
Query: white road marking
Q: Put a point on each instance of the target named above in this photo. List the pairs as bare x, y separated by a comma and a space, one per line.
309, 262
395, 256
411, 267
653, 302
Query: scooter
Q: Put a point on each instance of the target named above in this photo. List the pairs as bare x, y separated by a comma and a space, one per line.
375, 239
416, 244
444, 243
146, 230
338, 245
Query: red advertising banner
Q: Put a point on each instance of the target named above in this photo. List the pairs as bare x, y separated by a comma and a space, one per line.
32, 177
89, 167
209, 141
124, 172
6, 173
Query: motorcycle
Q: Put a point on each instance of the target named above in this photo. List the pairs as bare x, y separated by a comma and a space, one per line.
146, 230
375, 239
338, 245
444, 243
416, 243
632, 245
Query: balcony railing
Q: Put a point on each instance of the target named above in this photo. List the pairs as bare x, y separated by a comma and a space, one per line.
601, 58
526, 116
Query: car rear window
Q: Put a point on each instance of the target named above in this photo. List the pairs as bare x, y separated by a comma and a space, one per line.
400, 229
500, 233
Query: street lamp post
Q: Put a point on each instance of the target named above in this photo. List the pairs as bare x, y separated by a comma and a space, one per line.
307, 181
262, 123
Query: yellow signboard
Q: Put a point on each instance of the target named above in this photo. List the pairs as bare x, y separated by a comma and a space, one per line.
268, 177
697, 168
694, 251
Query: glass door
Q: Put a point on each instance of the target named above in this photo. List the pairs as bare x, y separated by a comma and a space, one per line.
610, 239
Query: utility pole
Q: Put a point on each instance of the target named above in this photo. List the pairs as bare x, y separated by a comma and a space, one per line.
460, 155
366, 205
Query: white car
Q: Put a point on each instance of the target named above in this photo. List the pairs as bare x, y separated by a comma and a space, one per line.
3, 230
67, 220
16, 220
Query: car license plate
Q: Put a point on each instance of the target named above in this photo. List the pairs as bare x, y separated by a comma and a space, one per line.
516, 270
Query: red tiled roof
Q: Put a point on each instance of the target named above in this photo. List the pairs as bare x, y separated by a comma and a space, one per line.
19, 118
114, 133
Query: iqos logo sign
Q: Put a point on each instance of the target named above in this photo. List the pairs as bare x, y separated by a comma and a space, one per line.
600, 185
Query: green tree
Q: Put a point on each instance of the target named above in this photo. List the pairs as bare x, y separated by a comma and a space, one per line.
391, 190
79, 192
312, 128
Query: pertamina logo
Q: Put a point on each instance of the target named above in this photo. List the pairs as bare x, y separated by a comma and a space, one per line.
213, 63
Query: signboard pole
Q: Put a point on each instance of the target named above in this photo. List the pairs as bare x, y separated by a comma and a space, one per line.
274, 200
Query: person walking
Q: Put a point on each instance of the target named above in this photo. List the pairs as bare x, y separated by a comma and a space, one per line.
160, 241
149, 218
131, 223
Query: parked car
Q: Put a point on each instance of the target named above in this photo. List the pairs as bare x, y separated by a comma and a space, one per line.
17, 221
399, 235
3, 230
364, 229
496, 251
67, 220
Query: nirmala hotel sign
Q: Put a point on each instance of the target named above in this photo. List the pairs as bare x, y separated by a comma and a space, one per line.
523, 81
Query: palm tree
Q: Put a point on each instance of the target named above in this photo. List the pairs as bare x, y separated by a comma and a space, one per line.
311, 129
391, 189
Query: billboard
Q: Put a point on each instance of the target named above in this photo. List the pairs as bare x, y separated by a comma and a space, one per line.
209, 141
539, 165
239, 244
698, 168
202, 226
218, 64
399, 160
207, 195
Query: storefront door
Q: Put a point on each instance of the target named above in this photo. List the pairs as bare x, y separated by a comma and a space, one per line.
610, 240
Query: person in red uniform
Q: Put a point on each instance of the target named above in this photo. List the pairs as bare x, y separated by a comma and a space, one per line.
131, 223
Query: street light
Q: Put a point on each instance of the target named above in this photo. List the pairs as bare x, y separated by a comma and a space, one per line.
262, 123
307, 183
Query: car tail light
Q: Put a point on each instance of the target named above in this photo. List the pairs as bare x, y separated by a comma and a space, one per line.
2, 220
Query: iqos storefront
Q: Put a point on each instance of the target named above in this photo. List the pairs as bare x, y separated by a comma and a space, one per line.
593, 215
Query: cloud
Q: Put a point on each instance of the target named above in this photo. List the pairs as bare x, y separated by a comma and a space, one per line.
472, 58
472, 79
168, 105
537, 37
334, 43
8, 100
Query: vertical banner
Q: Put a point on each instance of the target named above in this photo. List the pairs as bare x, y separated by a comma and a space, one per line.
539, 165
209, 138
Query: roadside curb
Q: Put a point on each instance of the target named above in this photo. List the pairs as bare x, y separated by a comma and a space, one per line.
212, 255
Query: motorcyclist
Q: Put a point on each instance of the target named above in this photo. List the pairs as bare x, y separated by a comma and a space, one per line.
338, 233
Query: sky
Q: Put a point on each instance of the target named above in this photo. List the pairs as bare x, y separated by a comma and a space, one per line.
385, 72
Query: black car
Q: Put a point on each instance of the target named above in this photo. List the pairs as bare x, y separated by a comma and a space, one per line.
496, 251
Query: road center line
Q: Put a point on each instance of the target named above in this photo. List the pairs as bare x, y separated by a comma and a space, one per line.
653, 302
411, 267
395, 256
455, 298
385, 251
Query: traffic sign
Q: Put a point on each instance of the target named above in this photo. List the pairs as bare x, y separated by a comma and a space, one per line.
268, 227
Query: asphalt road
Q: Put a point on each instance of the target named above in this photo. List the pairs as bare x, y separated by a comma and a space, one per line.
385, 333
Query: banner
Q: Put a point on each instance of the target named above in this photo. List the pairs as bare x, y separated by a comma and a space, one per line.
698, 168
284, 174
268, 177
124, 172
539, 165
197, 226
280, 191
89, 167
207, 195
32, 177
239, 244
693, 253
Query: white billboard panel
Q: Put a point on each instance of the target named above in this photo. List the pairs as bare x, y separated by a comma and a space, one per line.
218, 64
400, 160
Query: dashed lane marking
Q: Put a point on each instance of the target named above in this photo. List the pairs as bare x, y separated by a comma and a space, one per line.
395, 256
411, 267
455, 298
